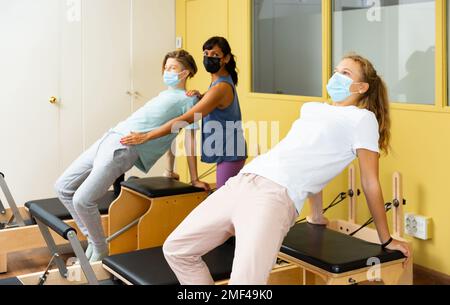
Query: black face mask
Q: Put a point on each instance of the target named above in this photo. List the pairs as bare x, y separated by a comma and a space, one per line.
212, 64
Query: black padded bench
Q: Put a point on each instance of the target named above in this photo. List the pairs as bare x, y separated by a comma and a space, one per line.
55, 207
148, 210
154, 187
319, 246
11, 236
149, 267
332, 251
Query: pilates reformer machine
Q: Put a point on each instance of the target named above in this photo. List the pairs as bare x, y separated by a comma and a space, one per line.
348, 253
19, 231
145, 212
148, 209
342, 253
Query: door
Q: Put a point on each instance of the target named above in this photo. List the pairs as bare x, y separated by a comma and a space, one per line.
107, 78
124, 45
30, 65
153, 36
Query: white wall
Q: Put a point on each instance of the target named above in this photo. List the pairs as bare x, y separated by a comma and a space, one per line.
30, 43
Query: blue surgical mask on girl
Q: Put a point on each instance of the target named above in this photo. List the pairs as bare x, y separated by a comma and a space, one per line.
171, 79
338, 87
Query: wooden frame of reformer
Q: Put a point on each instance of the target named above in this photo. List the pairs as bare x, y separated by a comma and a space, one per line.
155, 215
152, 213
389, 273
28, 237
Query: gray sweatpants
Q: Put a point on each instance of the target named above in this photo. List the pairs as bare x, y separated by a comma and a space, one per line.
88, 179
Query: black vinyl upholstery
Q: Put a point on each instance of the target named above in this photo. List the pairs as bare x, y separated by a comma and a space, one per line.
51, 221
56, 208
331, 250
317, 245
151, 187
154, 187
149, 266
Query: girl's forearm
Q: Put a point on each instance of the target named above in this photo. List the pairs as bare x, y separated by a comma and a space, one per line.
316, 204
192, 163
170, 160
375, 203
190, 153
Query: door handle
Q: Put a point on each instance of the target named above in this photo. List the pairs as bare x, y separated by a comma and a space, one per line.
133, 93
53, 100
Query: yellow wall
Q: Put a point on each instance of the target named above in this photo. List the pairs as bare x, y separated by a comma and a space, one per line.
420, 138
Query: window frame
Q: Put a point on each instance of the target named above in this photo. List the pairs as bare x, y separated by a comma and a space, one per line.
440, 103
325, 60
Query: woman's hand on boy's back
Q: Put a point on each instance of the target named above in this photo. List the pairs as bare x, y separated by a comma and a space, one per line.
196, 93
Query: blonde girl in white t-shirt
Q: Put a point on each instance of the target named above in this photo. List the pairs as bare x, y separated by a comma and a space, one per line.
262, 202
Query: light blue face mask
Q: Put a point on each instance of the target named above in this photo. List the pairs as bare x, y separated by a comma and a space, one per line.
171, 79
338, 87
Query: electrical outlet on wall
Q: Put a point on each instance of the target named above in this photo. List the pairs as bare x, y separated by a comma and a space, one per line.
418, 226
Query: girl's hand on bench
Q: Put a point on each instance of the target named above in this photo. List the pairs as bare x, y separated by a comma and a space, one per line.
201, 184
402, 247
317, 220
172, 175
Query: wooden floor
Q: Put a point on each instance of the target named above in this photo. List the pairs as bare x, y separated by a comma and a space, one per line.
31, 261
36, 260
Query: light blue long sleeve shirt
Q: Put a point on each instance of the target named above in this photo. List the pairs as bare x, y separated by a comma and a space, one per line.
168, 105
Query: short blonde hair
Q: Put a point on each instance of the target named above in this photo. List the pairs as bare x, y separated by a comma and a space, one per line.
184, 58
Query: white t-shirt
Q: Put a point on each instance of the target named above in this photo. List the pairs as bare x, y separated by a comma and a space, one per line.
319, 146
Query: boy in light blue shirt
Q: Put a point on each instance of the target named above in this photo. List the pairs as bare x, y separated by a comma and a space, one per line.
90, 176
167, 105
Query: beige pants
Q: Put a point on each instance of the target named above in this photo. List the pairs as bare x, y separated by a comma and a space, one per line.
256, 210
